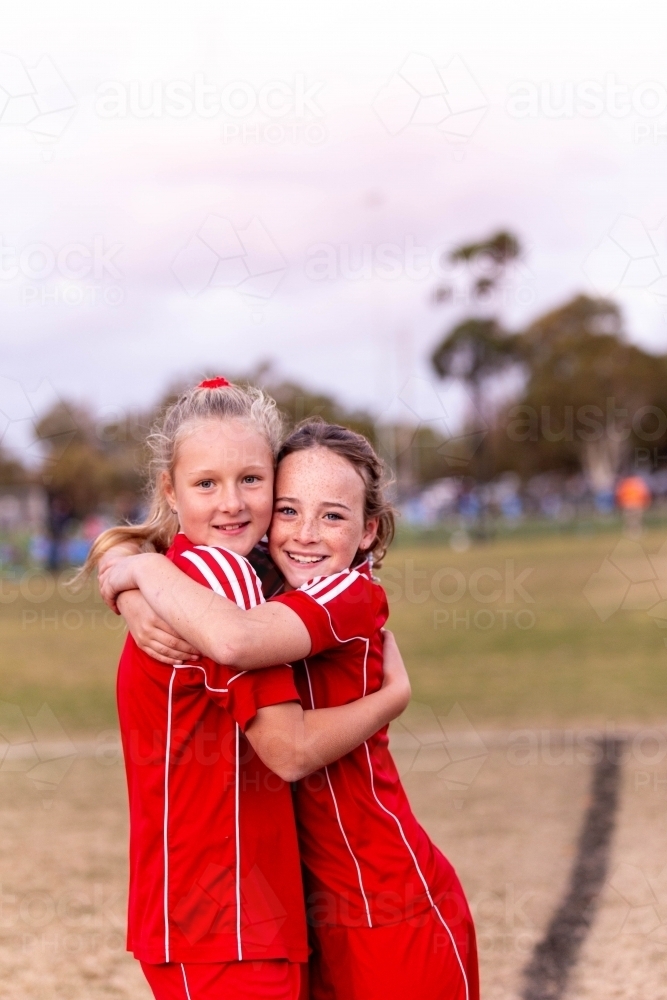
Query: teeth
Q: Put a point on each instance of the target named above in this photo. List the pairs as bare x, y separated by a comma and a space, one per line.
305, 559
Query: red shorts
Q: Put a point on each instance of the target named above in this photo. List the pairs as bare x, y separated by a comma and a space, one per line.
272, 980
422, 958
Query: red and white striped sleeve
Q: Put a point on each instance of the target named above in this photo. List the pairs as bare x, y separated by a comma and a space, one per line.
335, 608
242, 693
224, 572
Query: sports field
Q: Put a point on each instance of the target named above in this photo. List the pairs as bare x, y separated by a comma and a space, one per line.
529, 659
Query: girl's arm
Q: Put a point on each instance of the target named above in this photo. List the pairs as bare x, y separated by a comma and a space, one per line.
150, 633
218, 628
293, 742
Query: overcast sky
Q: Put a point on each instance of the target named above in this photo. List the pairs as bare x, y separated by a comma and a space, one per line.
204, 186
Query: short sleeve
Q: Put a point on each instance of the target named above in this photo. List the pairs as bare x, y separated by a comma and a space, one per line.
335, 610
255, 689
314, 617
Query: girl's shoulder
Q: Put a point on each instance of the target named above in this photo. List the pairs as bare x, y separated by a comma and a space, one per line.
223, 571
338, 608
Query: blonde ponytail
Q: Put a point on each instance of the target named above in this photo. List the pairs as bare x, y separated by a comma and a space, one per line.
215, 399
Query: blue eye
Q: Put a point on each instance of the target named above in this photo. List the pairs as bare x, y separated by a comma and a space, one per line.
206, 483
333, 516
289, 511
251, 479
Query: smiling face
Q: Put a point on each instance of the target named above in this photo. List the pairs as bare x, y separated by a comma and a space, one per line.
318, 520
222, 485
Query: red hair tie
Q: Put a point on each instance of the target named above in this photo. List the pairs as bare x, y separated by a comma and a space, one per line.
214, 383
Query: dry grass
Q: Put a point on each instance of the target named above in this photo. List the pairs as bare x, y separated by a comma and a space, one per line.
64, 873
509, 835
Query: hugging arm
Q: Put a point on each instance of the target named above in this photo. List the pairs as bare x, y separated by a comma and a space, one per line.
151, 633
218, 628
293, 742
290, 741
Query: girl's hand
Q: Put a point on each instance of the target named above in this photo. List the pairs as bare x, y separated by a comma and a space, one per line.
151, 634
395, 675
116, 576
116, 552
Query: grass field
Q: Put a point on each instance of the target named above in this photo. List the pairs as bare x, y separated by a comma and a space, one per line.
520, 653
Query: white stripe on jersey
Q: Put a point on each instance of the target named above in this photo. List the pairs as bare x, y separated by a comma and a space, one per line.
198, 666
232, 579
358, 638
416, 864
320, 582
340, 824
343, 585
185, 983
251, 579
165, 820
205, 571
238, 853
245, 601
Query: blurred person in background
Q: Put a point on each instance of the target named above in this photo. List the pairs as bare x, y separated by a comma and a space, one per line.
633, 497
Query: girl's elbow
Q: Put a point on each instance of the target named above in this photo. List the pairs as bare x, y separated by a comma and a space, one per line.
291, 766
291, 773
227, 651
288, 770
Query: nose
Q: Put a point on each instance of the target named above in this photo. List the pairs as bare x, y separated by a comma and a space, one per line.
307, 531
230, 501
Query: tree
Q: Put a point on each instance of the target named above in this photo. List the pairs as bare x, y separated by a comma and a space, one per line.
478, 348
82, 469
474, 351
489, 261
589, 395
12, 473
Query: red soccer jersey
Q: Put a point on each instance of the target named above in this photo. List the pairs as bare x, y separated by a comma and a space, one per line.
368, 861
214, 862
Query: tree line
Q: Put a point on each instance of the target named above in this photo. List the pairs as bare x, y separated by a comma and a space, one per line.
581, 398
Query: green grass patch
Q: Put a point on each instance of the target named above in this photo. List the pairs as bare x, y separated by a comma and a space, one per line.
512, 648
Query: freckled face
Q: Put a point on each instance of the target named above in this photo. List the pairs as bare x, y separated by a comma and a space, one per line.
318, 522
222, 485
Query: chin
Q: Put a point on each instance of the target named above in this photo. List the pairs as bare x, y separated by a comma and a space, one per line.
240, 544
297, 577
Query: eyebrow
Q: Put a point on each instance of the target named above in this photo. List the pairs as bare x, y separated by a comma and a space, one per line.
326, 503
212, 473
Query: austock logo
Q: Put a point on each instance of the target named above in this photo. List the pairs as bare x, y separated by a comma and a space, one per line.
34, 97
219, 255
447, 746
36, 745
20, 411
630, 579
638, 904
420, 93
425, 406
631, 257
205, 910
